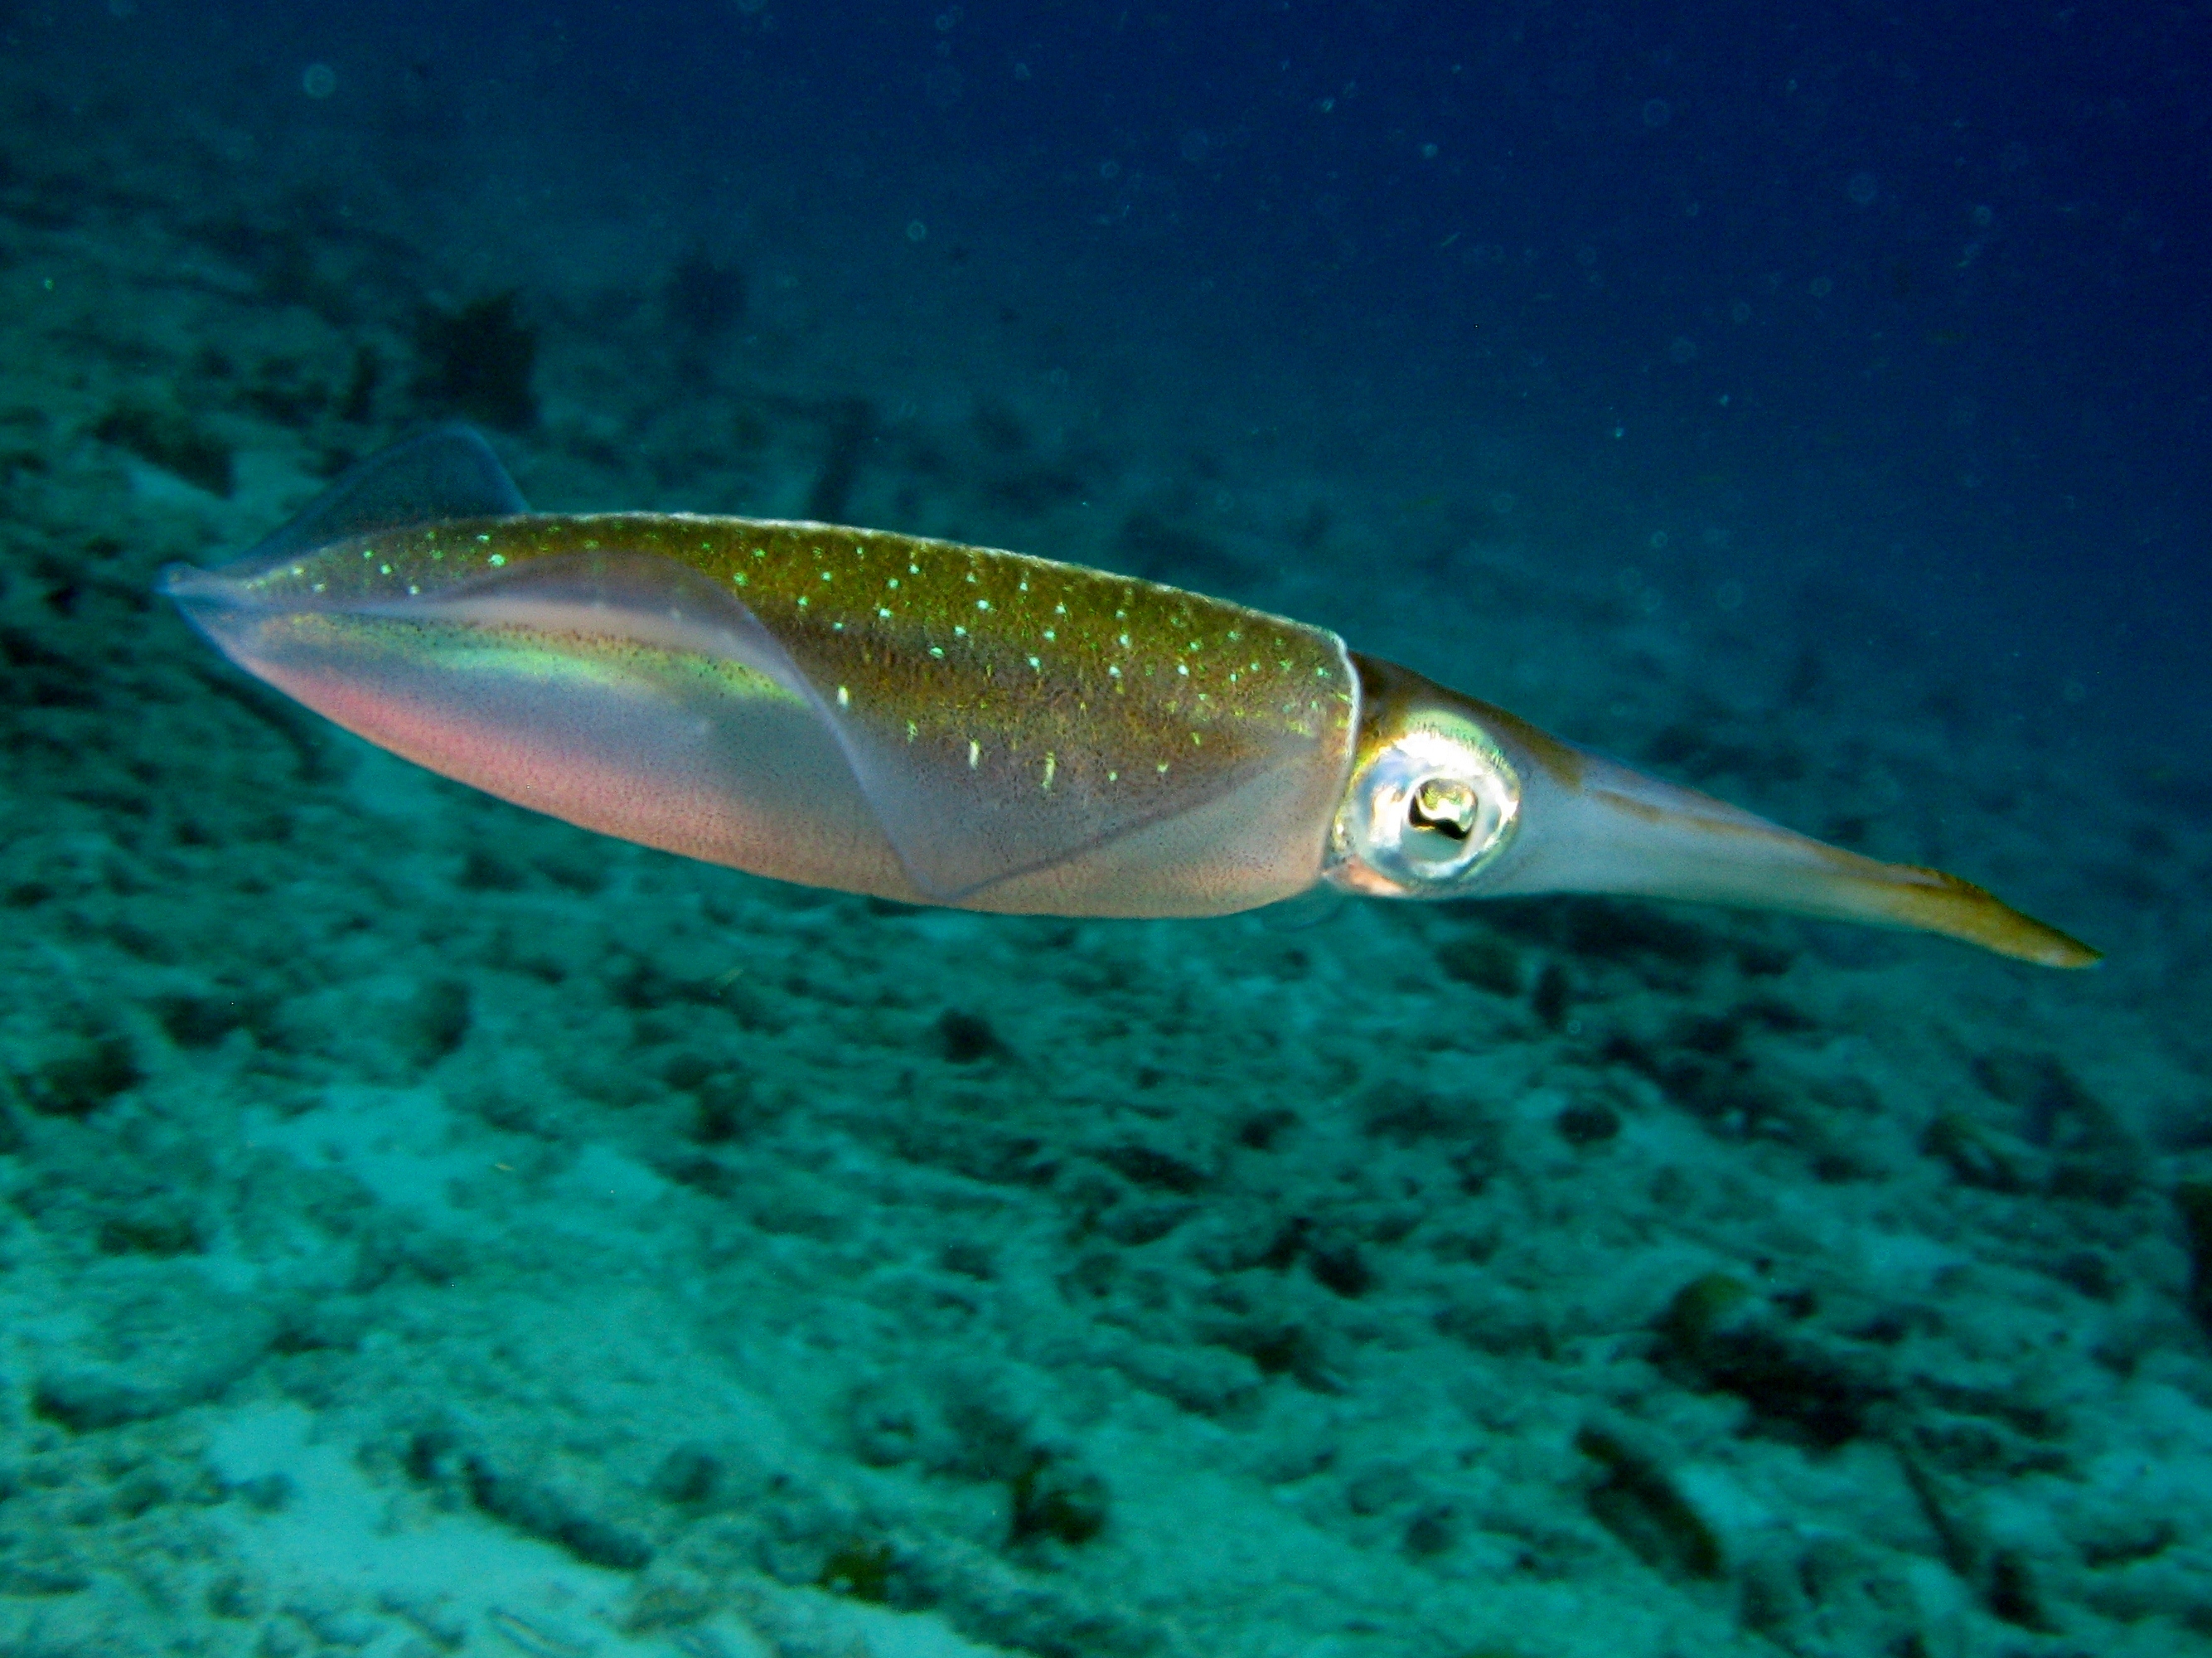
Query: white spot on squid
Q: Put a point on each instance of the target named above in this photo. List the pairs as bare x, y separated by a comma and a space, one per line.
982, 604
937, 650
844, 698
1051, 765
959, 632
1033, 660
975, 754
881, 611
497, 559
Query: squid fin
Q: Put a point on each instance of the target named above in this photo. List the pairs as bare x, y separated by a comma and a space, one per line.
445, 471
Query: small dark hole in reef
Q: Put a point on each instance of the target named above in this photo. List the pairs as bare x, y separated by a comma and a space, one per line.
1553, 992
200, 1020
1057, 1499
1281, 1350
727, 1109
1638, 1503
1342, 1269
480, 360
169, 438
862, 1570
1588, 1123
1432, 1530
1259, 1133
83, 1074
704, 297
966, 1037
358, 401
688, 1474
2012, 1592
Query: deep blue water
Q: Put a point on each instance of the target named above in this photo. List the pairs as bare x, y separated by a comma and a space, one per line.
1917, 292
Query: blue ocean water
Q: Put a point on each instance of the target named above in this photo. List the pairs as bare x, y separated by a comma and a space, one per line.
430, 1228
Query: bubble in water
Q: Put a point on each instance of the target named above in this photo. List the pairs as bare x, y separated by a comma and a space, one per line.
1682, 349
1862, 189
1982, 218
1821, 287
1658, 112
319, 80
916, 230
1739, 312
1729, 595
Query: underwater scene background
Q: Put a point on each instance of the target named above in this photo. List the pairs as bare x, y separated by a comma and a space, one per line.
426, 1227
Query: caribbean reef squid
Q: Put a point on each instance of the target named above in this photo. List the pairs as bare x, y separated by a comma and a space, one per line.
943, 724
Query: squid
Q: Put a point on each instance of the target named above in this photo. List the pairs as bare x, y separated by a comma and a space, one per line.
939, 724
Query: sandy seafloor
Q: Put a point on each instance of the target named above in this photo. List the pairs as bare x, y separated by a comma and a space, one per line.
427, 1228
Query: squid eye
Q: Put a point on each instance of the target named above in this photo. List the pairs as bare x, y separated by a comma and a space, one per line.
1425, 813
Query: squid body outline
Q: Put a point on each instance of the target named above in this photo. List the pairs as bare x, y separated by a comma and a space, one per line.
941, 724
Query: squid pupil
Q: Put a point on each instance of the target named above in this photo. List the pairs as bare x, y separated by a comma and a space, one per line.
1444, 807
